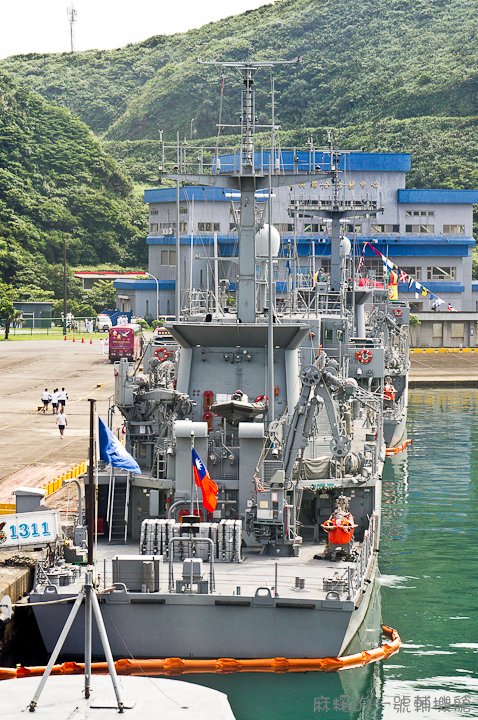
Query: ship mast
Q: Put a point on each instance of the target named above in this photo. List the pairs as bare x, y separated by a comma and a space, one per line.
247, 174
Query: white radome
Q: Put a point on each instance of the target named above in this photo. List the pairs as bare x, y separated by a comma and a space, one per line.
262, 241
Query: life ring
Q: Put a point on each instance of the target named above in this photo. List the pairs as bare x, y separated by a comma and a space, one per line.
162, 354
364, 356
398, 312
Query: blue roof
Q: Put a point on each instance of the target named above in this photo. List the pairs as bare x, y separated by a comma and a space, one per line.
438, 197
304, 161
144, 284
199, 193
435, 286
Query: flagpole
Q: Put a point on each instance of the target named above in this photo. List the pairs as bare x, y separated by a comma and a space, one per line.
191, 504
91, 485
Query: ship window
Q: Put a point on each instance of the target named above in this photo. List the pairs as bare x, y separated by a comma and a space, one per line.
454, 229
354, 228
441, 273
328, 335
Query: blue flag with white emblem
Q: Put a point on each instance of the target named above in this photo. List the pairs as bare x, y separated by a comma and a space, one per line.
112, 451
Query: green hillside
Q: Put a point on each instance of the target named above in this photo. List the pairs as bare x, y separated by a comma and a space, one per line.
56, 183
362, 60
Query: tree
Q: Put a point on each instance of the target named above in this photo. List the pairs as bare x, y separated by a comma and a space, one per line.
7, 311
102, 295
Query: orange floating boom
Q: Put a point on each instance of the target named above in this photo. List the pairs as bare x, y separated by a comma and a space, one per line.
178, 666
398, 449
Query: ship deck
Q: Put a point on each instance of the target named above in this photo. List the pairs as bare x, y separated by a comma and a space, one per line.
278, 574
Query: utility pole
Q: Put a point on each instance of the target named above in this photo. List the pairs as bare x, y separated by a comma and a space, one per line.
71, 12
64, 284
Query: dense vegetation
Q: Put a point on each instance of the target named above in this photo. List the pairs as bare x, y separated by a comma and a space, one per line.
361, 60
57, 184
386, 74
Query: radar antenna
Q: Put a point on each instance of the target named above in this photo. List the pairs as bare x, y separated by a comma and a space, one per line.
248, 69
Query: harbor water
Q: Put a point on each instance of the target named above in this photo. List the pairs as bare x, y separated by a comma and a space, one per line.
428, 588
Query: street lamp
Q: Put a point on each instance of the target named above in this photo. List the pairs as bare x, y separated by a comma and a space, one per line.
157, 293
191, 130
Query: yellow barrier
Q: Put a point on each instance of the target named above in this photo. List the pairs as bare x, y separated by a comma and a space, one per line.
444, 350
178, 666
57, 483
7, 508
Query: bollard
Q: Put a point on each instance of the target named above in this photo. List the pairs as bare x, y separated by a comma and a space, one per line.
64, 338
91, 341
73, 340
82, 340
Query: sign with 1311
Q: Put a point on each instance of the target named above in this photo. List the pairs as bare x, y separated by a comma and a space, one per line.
34, 528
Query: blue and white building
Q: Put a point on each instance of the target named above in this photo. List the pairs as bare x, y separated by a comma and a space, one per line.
427, 233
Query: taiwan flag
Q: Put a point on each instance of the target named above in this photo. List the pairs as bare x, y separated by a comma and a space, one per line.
203, 480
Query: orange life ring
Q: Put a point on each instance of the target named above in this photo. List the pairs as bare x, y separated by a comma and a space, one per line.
364, 356
398, 312
162, 354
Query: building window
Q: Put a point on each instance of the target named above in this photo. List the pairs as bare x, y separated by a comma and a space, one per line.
153, 227
437, 330
414, 272
353, 228
167, 228
153, 212
284, 227
441, 273
209, 227
183, 227
420, 229
183, 210
168, 257
420, 213
454, 229
377, 229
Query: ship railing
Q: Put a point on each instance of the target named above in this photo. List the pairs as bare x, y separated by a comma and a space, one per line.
196, 540
188, 158
356, 574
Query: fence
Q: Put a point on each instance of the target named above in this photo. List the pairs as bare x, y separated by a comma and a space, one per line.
50, 326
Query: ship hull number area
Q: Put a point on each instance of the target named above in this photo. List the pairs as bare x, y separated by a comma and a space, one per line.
29, 529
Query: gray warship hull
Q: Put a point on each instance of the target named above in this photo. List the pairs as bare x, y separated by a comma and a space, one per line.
302, 624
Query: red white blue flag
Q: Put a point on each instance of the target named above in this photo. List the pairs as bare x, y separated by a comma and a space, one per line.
203, 480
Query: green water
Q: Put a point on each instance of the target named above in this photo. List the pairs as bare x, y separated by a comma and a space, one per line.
429, 588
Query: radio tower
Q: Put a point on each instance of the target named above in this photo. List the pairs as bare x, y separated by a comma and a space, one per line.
71, 12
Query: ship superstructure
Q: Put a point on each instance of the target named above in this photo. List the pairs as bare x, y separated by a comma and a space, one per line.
285, 411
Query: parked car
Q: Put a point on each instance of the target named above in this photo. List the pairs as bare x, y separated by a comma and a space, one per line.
103, 323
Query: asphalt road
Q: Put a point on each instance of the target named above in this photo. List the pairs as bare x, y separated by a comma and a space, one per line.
30, 443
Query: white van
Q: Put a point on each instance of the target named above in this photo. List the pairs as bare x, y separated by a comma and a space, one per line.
103, 323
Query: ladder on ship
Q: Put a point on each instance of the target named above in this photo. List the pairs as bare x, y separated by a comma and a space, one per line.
118, 508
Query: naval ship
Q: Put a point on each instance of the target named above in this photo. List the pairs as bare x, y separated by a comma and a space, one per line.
282, 412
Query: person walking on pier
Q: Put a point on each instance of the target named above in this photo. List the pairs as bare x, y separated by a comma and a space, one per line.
61, 421
45, 398
54, 401
62, 398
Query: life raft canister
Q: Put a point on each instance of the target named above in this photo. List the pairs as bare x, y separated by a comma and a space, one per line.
340, 530
388, 393
364, 356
